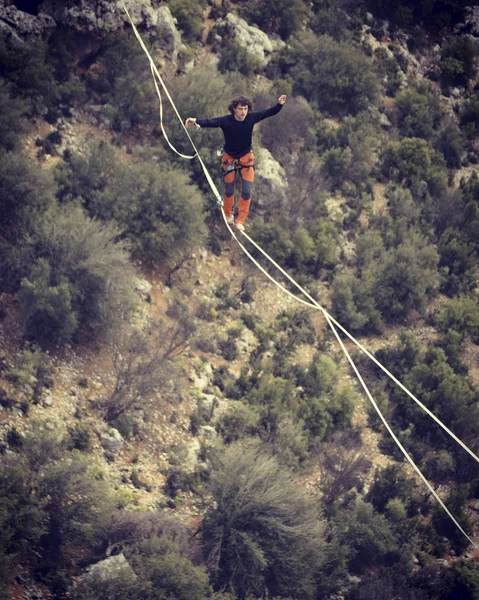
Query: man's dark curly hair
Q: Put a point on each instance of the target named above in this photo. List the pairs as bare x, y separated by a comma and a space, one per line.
240, 101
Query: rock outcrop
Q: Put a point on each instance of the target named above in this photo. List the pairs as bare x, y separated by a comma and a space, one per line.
91, 18
256, 42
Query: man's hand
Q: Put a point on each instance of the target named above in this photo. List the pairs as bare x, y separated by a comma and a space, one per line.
282, 99
190, 121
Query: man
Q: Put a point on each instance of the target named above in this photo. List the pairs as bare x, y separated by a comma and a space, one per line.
238, 154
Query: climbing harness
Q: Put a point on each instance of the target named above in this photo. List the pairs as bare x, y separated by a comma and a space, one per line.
311, 302
235, 166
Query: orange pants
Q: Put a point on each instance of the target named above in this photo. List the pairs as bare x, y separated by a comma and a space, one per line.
245, 167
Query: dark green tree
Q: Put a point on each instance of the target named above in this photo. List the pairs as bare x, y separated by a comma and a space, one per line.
284, 17
263, 534
79, 277
337, 76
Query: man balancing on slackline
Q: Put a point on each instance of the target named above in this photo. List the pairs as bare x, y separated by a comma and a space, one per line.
238, 153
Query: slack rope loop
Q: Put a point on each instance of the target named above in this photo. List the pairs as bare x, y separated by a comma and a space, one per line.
312, 302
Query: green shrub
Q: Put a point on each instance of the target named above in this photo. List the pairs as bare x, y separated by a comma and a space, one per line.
339, 77
354, 303
47, 310
298, 325
233, 56
24, 190
283, 16
80, 438
158, 209
389, 483
79, 279
458, 61
367, 535
123, 79
11, 124
51, 497
31, 373
470, 117
408, 159
293, 127
458, 262
389, 71
165, 571
240, 421
189, 15
263, 531
336, 164
418, 112
460, 315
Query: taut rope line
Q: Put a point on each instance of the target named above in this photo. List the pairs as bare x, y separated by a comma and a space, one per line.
312, 302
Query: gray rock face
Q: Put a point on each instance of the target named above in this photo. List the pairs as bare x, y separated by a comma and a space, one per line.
91, 17
17, 25
472, 20
252, 39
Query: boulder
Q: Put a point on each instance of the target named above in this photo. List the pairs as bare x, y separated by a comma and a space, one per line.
208, 432
111, 440
271, 183
142, 286
112, 568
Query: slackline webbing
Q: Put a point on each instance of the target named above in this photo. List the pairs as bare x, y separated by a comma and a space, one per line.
312, 303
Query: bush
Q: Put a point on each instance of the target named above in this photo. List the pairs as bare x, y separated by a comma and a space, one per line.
458, 61
25, 189
470, 117
458, 262
79, 278
389, 71
354, 303
123, 79
298, 326
143, 361
336, 165
233, 56
418, 112
48, 497
263, 535
158, 208
190, 17
164, 571
237, 423
337, 76
11, 125
291, 129
406, 160
284, 17
460, 315
367, 535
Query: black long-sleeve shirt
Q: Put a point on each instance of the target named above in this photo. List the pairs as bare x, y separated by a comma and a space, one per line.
239, 134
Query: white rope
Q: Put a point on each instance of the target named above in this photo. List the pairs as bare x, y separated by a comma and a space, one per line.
313, 303
157, 77
331, 322
365, 351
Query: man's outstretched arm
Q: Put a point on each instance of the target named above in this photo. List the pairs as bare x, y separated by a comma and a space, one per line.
269, 112
216, 122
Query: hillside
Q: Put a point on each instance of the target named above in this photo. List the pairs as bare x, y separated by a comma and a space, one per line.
172, 424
